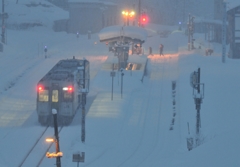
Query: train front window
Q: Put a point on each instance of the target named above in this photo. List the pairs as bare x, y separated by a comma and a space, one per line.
55, 96
67, 96
43, 95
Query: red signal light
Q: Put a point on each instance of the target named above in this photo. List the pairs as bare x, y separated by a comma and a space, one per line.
40, 88
70, 89
144, 19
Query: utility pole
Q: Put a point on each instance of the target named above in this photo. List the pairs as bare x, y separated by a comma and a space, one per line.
58, 160
83, 104
190, 32
3, 23
198, 101
122, 74
189, 37
139, 13
224, 32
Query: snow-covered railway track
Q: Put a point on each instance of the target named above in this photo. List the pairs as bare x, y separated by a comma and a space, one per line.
37, 152
149, 114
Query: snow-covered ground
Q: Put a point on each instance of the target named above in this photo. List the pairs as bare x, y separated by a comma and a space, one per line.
130, 131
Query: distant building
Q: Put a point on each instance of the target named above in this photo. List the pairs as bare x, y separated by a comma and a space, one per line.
218, 9
211, 28
234, 31
89, 15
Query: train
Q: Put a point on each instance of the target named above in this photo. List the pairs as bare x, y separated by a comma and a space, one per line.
63, 88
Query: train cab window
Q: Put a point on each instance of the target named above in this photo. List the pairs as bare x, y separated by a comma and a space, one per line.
55, 96
67, 96
43, 95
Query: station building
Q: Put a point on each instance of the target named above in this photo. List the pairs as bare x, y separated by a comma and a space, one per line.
88, 16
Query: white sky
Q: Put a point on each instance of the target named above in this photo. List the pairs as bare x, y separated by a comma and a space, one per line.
127, 132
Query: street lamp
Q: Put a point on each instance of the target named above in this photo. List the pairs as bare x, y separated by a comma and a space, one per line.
54, 154
128, 15
57, 154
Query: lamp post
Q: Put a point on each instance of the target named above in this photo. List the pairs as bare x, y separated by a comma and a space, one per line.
57, 154
127, 15
3, 23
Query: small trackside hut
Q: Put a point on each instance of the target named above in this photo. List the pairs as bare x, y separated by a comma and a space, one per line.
63, 88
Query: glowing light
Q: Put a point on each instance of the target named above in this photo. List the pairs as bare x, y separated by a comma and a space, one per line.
69, 89
127, 13
144, 19
50, 140
54, 155
40, 88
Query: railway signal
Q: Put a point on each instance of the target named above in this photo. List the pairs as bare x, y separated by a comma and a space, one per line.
198, 95
144, 19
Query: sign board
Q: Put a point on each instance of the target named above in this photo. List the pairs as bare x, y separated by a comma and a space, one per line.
79, 157
112, 73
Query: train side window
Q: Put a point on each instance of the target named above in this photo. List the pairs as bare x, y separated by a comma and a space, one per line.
43, 95
55, 96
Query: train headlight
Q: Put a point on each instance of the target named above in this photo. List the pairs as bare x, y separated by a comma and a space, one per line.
69, 89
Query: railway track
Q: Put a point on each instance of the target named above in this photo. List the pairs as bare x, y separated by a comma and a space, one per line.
37, 152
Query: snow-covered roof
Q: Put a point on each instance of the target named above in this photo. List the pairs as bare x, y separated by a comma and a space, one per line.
44, 13
91, 1
132, 32
203, 20
232, 4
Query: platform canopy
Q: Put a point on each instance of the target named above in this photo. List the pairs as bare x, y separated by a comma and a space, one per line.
123, 33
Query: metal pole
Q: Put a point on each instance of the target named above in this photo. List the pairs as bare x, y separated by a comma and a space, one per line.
199, 80
198, 102
139, 13
121, 84
58, 160
83, 122
189, 31
224, 32
112, 87
3, 23
83, 105
192, 30
198, 105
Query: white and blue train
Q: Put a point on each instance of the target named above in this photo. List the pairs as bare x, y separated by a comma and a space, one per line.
63, 88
